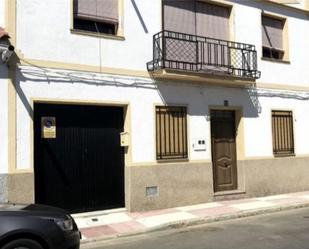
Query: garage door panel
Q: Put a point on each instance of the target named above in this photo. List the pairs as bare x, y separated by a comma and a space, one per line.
82, 169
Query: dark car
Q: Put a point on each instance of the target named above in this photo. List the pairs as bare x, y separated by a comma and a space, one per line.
37, 227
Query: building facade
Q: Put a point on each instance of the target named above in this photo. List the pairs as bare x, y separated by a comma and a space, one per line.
153, 104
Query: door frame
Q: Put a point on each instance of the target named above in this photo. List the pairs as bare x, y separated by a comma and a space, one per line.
126, 128
239, 136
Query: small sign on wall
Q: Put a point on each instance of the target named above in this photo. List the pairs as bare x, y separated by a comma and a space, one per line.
199, 144
48, 127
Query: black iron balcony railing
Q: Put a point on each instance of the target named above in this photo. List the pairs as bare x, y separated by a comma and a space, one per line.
172, 50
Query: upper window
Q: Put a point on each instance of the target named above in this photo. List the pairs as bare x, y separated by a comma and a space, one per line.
171, 132
272, 36
282, 129
196, 18
100, 16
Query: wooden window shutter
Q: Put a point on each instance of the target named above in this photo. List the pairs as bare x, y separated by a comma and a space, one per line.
272, 33
196, 18
212, 21
96, 10
179, 16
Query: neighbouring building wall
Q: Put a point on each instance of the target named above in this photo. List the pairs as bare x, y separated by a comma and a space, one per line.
3, 119
3, 132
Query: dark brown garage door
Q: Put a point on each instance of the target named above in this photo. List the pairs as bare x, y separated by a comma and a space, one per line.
78, 160
224, 150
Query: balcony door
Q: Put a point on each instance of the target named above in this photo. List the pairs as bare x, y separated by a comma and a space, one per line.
210, 50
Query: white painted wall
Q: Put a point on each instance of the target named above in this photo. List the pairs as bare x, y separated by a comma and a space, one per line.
258, 133
143, 95
43, 31
3, 120
248, 30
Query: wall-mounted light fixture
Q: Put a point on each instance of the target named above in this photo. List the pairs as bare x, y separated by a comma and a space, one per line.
6, 53
6, 49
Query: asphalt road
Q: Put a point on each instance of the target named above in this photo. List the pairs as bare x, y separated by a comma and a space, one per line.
284, 230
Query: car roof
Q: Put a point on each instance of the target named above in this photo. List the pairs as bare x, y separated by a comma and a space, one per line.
10, 206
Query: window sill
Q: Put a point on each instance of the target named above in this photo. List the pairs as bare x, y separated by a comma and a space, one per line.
106, 36
229, 192
284, 155
275, 60
162, 161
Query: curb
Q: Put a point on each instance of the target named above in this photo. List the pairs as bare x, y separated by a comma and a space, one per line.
199, 221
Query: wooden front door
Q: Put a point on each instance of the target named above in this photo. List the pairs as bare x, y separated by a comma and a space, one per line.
223, 140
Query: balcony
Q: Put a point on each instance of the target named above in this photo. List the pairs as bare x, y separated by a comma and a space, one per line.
178, 52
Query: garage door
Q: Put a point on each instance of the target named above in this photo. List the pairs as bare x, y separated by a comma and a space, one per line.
78, 160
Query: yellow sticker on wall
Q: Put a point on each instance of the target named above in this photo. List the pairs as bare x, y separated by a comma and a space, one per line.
48, 127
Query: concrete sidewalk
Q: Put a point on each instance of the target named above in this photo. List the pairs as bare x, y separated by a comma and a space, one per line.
99, 226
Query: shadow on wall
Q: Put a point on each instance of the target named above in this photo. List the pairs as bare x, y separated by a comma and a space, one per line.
274, 8
3, 71
34, 74
140, 18
7, 73
198, 98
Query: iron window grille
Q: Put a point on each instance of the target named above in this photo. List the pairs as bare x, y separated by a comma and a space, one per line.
180, 51
171, 132
282, 129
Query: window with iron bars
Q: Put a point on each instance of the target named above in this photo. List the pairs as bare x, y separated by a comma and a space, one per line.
171, 132
282, 129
